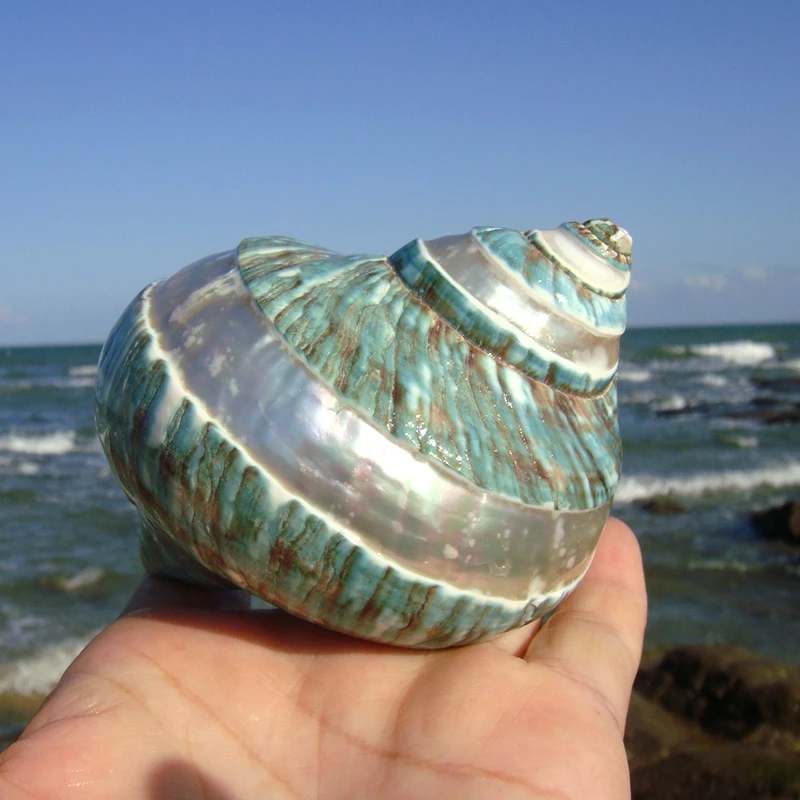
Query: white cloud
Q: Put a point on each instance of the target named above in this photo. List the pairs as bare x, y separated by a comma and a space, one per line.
711, 282
757, 274
9, 317
638, 286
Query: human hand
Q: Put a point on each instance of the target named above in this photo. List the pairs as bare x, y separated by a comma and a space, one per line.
188, 696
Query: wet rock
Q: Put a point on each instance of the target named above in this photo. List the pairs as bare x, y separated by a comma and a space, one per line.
717, 723
652, 733
784, 384
769, 411
780, 522
732, 772
727, 691
662, 504
783, 416
766, 402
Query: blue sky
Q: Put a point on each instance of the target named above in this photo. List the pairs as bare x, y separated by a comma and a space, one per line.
135, 138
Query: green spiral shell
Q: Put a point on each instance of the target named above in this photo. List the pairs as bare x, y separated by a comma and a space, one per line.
420, 449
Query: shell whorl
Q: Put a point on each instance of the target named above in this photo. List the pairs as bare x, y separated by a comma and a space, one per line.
420, 449
550, 303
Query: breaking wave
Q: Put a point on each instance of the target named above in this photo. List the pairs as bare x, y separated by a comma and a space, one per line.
86, 370
635, 375
80, 580
743, 353
642, 487
50, 444
39, 673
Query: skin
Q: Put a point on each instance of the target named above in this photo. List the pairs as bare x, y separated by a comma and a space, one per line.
187, 696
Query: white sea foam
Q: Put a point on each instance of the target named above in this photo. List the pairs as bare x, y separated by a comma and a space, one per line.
734, 424
712, 380
86, 369
674, 402
743, 353
635, 375
70, 382
73, 382
51, 444
793, 364
671, 366
78, 383
722, 565
12, 385
641, 487
28, 468
39, 673
636, 398
80, 580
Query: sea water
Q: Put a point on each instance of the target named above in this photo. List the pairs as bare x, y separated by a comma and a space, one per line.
708, 417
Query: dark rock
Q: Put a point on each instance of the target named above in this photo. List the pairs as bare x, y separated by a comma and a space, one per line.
738, 771
728, 691
717, 723
781, 522
768, 411
652, 733
783, 416
662, 504
786, 384
767, 401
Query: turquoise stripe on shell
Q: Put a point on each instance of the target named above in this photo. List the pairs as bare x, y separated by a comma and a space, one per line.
604, 314
201, 497
379, 346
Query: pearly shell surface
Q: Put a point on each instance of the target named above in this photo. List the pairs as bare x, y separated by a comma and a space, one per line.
420, 450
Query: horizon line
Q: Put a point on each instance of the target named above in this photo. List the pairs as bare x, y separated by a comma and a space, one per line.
637, 327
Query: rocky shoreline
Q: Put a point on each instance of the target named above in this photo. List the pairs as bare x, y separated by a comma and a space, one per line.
714, 723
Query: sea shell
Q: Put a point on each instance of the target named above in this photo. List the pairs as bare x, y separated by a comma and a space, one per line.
420, 450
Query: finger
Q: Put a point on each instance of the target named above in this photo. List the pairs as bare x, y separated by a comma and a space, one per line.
155, 592
595, 636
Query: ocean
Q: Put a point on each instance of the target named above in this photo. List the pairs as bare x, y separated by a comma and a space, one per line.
709, 418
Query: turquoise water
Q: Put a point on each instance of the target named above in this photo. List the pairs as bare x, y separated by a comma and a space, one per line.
692, 402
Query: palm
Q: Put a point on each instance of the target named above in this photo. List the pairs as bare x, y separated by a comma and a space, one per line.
187, 702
